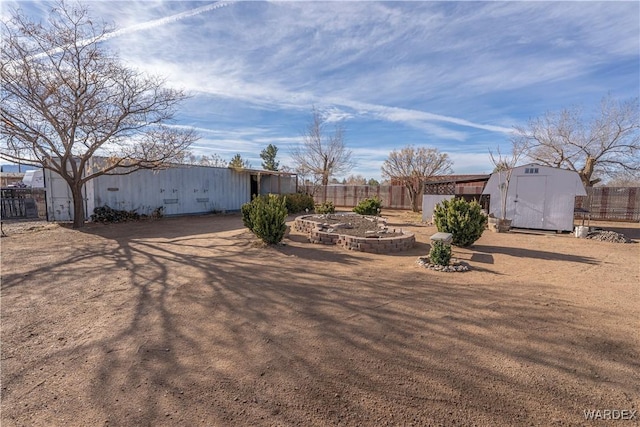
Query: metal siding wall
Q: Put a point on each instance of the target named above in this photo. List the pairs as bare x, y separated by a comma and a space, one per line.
180, 190
429, 202
269, 184
289, 184
559, 196
560, 201
492, 190
528, 199
560, 213
59, 200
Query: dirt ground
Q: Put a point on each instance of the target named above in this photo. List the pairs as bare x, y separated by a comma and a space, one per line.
189, 321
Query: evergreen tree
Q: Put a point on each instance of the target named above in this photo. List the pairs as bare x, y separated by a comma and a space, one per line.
268, 156
237, 163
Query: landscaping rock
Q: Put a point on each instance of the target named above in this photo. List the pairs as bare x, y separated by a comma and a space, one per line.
454, 267
607, 236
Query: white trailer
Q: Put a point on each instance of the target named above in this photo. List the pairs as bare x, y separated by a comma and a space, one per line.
179, 190
538, 197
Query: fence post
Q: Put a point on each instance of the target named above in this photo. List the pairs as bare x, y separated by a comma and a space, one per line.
631, 204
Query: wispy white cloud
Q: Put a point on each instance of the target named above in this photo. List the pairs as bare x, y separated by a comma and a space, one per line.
156, 23
456, 75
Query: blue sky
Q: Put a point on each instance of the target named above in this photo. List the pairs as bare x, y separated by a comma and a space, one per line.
456, 76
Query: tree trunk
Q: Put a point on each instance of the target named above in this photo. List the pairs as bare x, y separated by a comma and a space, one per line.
325, 171
78, 205
413, 197
587, 172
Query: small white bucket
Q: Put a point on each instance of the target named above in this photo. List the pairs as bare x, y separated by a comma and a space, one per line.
581, 231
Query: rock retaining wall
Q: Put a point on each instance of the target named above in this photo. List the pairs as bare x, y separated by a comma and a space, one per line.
376, 245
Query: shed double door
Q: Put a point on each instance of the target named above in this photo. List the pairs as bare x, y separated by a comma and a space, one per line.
530, 201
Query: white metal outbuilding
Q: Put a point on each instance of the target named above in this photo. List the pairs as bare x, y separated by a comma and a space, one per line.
180, 190
538, 197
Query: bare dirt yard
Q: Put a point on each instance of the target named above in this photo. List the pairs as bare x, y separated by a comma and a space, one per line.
191, 322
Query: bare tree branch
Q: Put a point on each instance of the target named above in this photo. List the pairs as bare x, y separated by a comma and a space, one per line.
323, 155
604, 146
504, 164
412, 166
66, 99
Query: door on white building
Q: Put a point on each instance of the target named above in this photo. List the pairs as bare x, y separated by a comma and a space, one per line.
530, 201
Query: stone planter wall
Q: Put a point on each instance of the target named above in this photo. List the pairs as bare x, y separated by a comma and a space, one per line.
376, 245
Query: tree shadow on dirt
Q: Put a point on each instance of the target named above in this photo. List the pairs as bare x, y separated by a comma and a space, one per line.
532, 253
218, 331
168, 227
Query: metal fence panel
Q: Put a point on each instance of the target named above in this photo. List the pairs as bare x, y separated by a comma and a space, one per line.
611, 203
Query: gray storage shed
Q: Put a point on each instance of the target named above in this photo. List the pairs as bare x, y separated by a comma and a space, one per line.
539, 197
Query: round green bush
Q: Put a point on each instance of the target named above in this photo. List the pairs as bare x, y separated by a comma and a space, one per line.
299, 202
371, 206
325, 208
440, 253
464, 220
266, 217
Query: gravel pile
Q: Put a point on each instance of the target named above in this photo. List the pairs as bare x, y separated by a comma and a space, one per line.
454, 267
608, 236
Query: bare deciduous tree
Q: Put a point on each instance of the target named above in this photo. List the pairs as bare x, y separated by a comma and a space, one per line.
355, 180
411, 166
67, 99
322, 154
504, 164
625, 179
214, 160
602, 146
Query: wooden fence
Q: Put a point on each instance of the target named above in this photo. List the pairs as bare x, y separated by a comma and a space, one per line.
392, 196
21, 203
603, 203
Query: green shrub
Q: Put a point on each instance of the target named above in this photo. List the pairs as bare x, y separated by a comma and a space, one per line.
463, 219
299, 202
325, 208
370, 206
440, 253
246, 211
266, 217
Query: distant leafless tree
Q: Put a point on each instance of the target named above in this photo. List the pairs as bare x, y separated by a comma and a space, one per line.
602, 146
213, 160
504, 164
625, 179
322, 154
411, 166
67, 99
356, 180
